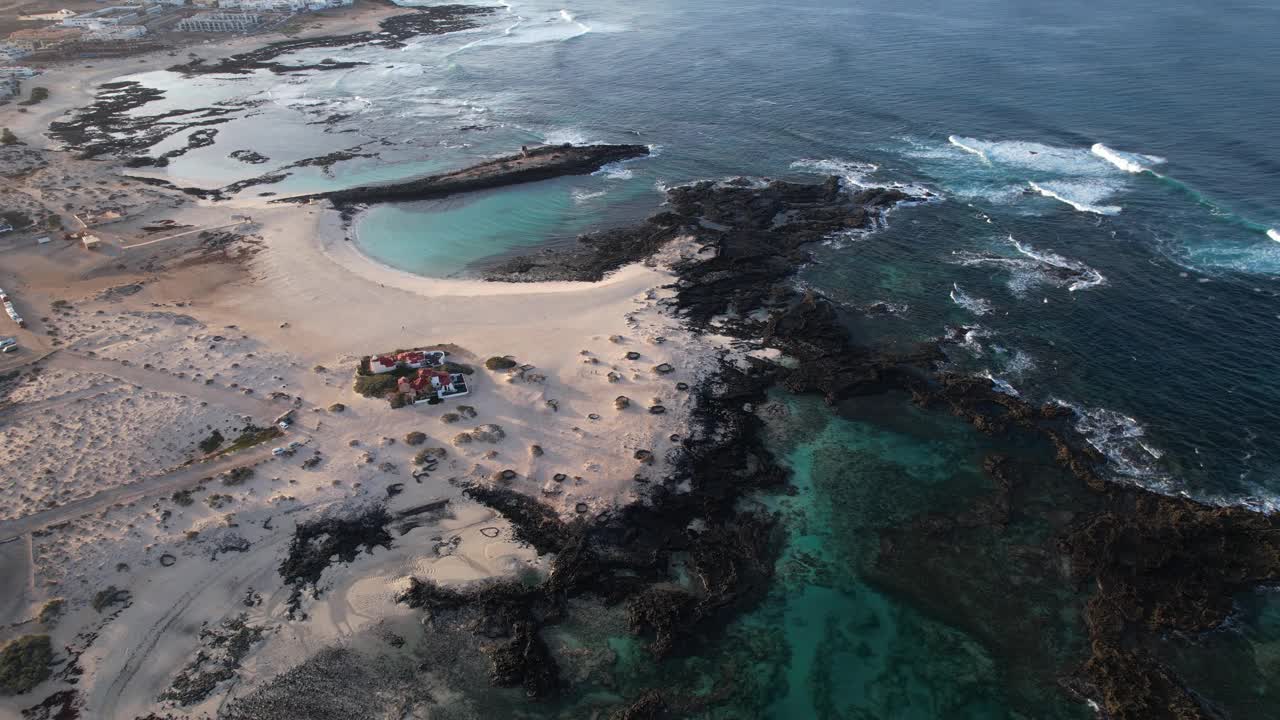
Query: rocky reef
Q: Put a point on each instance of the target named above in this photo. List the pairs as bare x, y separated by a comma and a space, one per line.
1142, 563
540, 163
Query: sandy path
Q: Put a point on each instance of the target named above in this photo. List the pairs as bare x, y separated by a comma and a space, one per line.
15, 568
27, 409
241, 403
161, 484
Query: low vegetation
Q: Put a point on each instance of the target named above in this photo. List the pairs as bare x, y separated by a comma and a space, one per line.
7, 137
499, 363
38, 95
24, 663
182, 497
112, 595
211, 443
216, 501
237, 476
375, 386
252, 435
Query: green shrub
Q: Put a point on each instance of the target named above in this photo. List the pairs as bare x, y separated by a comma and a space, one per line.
499, 363
7, 137
236, 476
453, 367
181, 497
211, 443
375, 386
24, 663
252, 435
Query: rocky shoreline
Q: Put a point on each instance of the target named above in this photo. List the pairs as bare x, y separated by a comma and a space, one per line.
539, 163
1156, 563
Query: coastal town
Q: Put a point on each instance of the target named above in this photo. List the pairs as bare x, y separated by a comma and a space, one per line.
52, 32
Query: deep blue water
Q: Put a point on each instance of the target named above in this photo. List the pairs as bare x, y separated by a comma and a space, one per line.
1167, 343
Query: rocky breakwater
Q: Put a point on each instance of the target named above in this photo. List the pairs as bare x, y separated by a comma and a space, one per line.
540, 163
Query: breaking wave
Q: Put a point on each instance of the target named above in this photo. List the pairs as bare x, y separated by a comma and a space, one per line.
1080, 196
1127, 162
1274, 234
962, 143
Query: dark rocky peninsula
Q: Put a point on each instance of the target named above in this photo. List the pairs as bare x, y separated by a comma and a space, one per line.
540, 163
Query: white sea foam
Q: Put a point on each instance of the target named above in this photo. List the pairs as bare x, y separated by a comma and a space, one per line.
1035, 157
975, 305
615, 171
560, 136
581, 196
851, 172
571, 18
973, 340
1077, 195
1274, 234
856, 174
1001, 386
1123, 440
1124, 161
1020, 363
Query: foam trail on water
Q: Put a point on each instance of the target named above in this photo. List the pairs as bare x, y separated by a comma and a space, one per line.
1086, 276
1274, 234
1081, 206
1117, 159
975, 305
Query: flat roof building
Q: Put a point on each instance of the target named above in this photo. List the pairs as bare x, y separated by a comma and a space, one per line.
220, 22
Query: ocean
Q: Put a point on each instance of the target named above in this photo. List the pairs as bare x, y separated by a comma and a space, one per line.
1104, 233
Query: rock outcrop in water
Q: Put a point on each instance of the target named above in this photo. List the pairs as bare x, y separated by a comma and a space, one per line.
540, 163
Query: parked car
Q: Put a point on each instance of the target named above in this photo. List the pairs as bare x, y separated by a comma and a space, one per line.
279, 451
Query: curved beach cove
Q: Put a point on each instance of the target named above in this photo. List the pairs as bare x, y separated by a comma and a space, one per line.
830, 360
